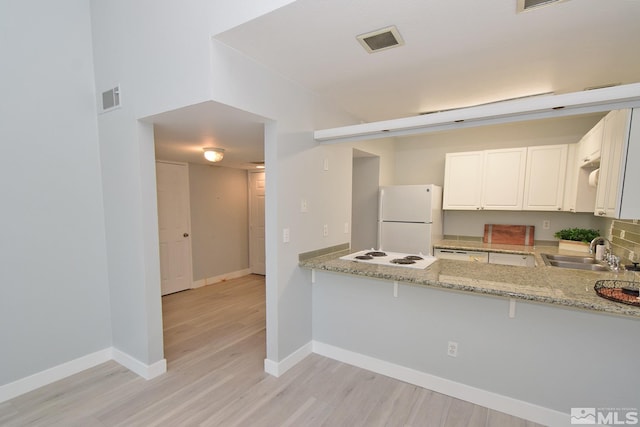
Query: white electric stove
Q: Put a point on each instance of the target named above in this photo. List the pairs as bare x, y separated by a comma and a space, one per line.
394, 259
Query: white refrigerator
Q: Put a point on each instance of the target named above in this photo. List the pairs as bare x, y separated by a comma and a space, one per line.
409, 218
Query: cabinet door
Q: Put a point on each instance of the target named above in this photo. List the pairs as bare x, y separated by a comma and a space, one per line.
512, 259
571, 179
462, 255
544, 184
463, 180
612, 164
590, 145
503, 179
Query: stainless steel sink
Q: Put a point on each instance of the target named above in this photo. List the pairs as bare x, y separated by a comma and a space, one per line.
570, 258
575, 262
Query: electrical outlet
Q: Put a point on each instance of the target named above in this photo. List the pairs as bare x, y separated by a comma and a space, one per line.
546, 224
452, 349
304, 207
285, 235
325, 230
346, 228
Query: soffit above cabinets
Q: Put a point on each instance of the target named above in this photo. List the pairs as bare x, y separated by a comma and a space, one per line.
591, 101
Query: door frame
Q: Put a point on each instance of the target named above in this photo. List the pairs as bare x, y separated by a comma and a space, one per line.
251, 230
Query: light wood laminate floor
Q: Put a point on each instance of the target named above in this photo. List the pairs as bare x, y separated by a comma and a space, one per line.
215, 348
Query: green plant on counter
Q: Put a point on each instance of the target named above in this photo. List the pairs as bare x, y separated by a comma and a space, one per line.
577, 234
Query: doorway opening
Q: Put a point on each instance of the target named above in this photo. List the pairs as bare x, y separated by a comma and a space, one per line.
364, 200
223, 221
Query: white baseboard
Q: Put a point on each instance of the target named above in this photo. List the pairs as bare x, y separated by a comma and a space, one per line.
56, 373
48, 376
278, 368
498, 402
147, 372
220, 278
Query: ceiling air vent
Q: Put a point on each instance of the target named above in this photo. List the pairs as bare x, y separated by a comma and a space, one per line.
525, 5
382, 39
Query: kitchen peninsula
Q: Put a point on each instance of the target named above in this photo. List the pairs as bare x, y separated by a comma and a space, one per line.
550, 285
530, 341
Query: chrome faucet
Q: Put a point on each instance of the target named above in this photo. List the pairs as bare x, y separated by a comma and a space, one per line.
599, 240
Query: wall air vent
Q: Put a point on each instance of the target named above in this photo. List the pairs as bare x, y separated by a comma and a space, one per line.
525, 5
382, 39
110, 99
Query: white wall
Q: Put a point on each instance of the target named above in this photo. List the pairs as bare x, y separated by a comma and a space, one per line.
54, 302
159, 54
554, 357
386, 150
219, 220
294, 170
163, 57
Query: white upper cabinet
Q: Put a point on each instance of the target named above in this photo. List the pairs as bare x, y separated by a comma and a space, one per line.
491, 179
545, 178
590, 145
503, 179
463, 180
617, 195
529, 178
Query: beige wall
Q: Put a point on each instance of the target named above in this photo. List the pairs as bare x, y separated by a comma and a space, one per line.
420, 160
219, 220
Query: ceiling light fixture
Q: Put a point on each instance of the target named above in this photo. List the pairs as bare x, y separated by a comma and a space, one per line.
213, 154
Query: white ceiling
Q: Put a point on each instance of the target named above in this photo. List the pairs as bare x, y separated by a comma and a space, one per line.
456, 54
180, 135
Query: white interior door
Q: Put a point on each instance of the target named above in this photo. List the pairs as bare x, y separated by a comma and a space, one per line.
174, 226
256, 223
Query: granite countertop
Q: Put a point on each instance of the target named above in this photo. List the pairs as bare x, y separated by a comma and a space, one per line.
544, 284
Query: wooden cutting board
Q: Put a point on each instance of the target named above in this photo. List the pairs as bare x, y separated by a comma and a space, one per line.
509, 234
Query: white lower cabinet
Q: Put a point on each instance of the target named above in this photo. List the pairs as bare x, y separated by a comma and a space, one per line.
462, 255
486, 257
512, 259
